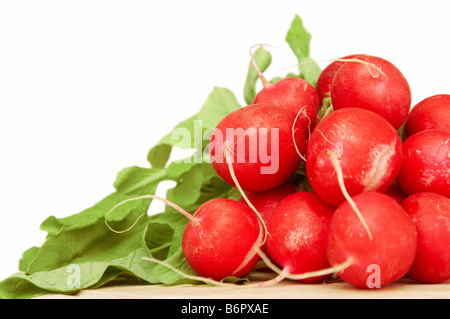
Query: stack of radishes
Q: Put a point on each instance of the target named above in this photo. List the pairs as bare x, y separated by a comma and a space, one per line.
375, 208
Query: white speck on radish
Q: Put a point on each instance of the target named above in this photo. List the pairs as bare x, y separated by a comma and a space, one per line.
297, 238
380, 158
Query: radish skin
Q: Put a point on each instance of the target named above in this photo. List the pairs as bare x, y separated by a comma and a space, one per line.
262, 148
293, 95
225, 232
432, 113
426, 163
391, 251
396, 193
298, 229
266, 201
323, 86
430, 213
378, 86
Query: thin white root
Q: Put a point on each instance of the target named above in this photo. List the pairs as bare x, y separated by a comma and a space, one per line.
167, 202
264, 81
125, 230
294, 130
281, 273
183, 274
368, 65
213, 282
238, 186
253, 250
322, 272
328, 111
340, 177
262, 230
281, 276
326, 271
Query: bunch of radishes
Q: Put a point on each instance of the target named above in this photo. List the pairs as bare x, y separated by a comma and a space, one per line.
375, 208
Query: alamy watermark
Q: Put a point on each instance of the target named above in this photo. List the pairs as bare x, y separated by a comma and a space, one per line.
251, 145
374, 279
73, 280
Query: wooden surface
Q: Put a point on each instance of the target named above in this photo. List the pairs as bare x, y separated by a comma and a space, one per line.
402, 289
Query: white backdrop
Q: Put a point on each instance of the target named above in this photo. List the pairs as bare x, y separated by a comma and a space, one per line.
88, 87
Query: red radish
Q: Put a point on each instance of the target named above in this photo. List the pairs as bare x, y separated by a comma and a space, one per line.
364, 145
430, 113
293, 95
298, 229
430, 213
259, 141
323, 86
385, 258
219, 239
373, 84
266, 201
426, 163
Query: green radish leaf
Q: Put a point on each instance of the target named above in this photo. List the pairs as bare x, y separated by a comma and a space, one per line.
85, 236
27, 257
159, 155
299, 39
197, 186
192, 133
138, 180
69, 279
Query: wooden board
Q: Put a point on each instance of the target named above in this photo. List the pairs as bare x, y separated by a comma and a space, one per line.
402, 289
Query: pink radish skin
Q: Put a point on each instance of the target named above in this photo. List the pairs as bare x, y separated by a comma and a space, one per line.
298, 229
396, 193
219, 238
379, 87
430, 113
391, 251
323, 86
293, 95
367, 147
266, 201
260, 121
426, 163
430, 213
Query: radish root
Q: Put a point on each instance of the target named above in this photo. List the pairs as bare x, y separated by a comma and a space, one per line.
238, 186
340, 177
281, 273
262, 230
281, 276
167, 202
370, 66
294, 130
183, 274
264, 81
306, 275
